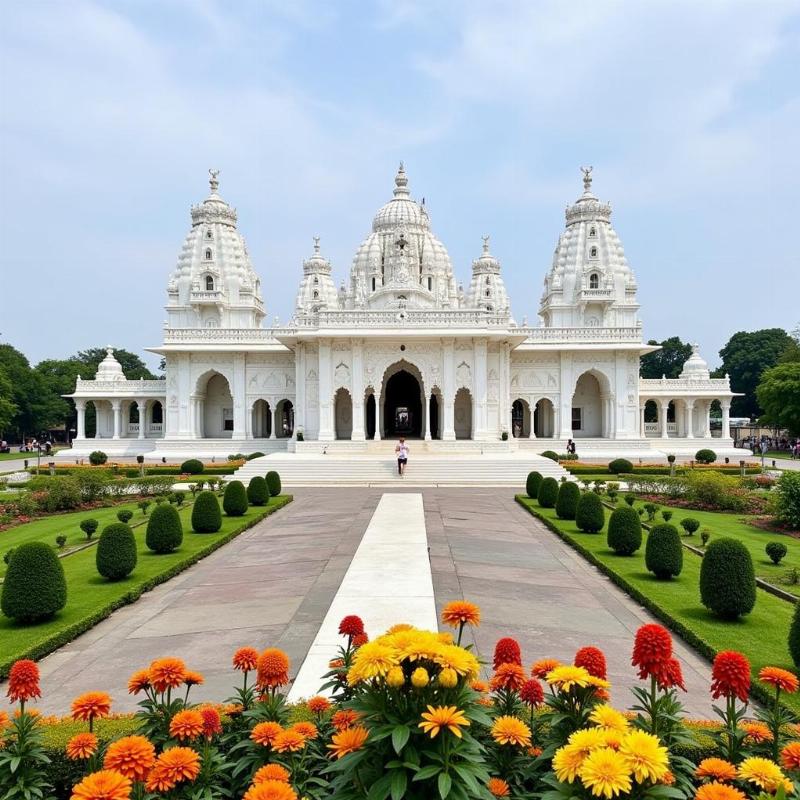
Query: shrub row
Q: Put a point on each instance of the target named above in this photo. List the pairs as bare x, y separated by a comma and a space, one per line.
602, 469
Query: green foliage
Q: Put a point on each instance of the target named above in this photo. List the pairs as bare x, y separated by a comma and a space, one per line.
619, 466
116, 551
164, 529
92, 483
97, 457
714, 490
663, 553
257, 454
61, 540
144, 505
776, 551
666, 514
548, 493
630, 498
8, 408
668, 361
551, 454
178, 497
690, 525
567, 501
705, 456
192, 467
234, 501
794, 637
89, 526
274, 483
590, 515
705, 536
34, 587
624, 531
533, 483
787, 499
60, 494
206, 514
257, 491
727, 578
652, 510
124, 515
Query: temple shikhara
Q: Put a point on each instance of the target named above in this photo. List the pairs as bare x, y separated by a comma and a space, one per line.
403, 348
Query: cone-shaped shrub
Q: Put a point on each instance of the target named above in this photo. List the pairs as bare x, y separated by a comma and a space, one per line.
624, 531
116, 551
164, 529
274, 483
533, 483
234, 501
727, 578
548, 493
34, 587
794, 636
590, 515
257, 491
663, 554
567, 502
206, 514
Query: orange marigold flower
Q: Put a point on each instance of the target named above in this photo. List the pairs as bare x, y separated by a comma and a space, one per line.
510, 677
532, 693
757, 732
131, 756
479, 686
193, 678
506, 651
535, 752
318, 705
498, 787
485, 701
717, 768
592, 660
790, 756
271, 772
245, 659
23, 681
360, 639
212, 724
265, 732
289, 741
306, 729
270, 790
540, 668
186, 725
336, 663
344, 718
273, 668
351, 625
107, 784
652, 648
461, 612
510, 730
4, 720
779, 678
730, 675
668, 779
81, 746
348, 740
139, 681
167, 673
172, 767
91, 705
718, 791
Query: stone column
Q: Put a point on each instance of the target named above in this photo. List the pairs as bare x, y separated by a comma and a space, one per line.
726, 419
358, 432
689, 419
663, 413
238, 393
142, 406
273, 416
641, 420
427, 411
300, 388
707, 428
325, 392
116, 407
481, 389
378, 415
449, 389
80, 428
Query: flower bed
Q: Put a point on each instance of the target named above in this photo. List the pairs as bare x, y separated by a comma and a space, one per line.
409, 717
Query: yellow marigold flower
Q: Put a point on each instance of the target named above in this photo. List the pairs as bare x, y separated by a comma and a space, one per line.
395, 677
107, 784
605, 773
348, 740
435, 719
644, 756
611, 738
567, 763
717, 768
400, 626
372, 660
718, 791
498, 787
448, 678
762, 772
81, 746
420, 678
604, 716
567, 676
458, 659
601, 684
756, 732
510, 730
461, 612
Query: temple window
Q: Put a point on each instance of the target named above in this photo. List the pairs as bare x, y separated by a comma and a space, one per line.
373, 284
430, 284
209, 283
593, 252
208, 254
592, 232
594, 281
209, 235
316, 295
488, 292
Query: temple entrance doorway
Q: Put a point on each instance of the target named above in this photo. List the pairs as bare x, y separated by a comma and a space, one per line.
402, 407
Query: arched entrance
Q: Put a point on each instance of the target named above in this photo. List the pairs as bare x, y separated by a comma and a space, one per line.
462, 411
217, 408
343, 414
402, 405
520, 419
262, 420
592, 407
544, 419
433, 416
369, 411
284, 419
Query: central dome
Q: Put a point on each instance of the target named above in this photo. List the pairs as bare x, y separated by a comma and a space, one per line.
401, 209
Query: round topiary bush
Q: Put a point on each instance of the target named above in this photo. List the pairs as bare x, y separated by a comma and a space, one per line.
89, 526
125, 515
192, 467
620, 466
116, 551
551, 454
206, 514
776, 551
258, 491
274, 483
663, 554
97, 457
794, 636
234, 501
533, 483
548, 493
705, 456
690, 525
590, 514
727, 578
34, 587
624, 531
567, 502
164, 529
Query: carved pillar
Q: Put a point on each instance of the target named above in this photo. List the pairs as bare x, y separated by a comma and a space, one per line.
300, 389
142, 406
273, 419
726, 419
663, 413
689, 419
707, 425
325, 392
357, 383
238, 392
426, 410
116, 407
378, 412
641, 420
80, 429
565, 397
449, 389
480, 386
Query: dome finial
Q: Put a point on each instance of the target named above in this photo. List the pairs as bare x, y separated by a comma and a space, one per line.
401, 182
587, 178
485, 244
316, 245
213, 180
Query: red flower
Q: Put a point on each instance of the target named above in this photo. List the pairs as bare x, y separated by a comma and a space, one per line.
652, 648
212, 723
351, 625
507, 651
592, 660
671, 675
360, 639
23, 681
532, 692
730, 675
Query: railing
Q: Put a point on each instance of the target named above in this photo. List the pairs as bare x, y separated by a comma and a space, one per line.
654, 428
156, 427
123, 388
651, 385
404, 318
205, 296
593, 335
597, 294
229, 335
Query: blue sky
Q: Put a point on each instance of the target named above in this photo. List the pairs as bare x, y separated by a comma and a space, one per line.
112, 112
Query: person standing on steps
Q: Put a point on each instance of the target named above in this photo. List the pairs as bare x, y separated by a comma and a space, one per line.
402, 456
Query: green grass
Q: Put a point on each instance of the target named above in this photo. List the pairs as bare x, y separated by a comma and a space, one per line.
91, 598
761, 635
14, 456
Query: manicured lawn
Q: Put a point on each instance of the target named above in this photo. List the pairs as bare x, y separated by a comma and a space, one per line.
14, 456
91, 598
761, 635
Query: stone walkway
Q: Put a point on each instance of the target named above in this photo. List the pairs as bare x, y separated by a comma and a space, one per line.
273, 585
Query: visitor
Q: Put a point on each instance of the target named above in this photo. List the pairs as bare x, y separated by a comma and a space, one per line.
570, 447
402, 456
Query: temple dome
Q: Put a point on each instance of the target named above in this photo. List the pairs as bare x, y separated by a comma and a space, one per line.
317, 290
109, 369
696, 367
487, 289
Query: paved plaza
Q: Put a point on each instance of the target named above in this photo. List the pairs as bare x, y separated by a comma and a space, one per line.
274, 584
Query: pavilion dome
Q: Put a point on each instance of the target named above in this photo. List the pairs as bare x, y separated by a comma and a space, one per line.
487, 289
695, 367
109, 369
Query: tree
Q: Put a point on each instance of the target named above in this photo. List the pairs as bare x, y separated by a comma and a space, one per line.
133, 366
791, 354
668, 361
745, 357
8, 408
778, 395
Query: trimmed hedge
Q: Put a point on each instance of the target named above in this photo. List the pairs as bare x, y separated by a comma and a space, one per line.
705, 456
600, 469
548, 493
624, 531
257, 491
663, 553
551, 454
206, 514
116, 551
193, 467
97, 457
794, 637
274, 483
590, 515
567, 502
533, 483
620, 465
164, 529
727, 578
34, 587
234, 501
